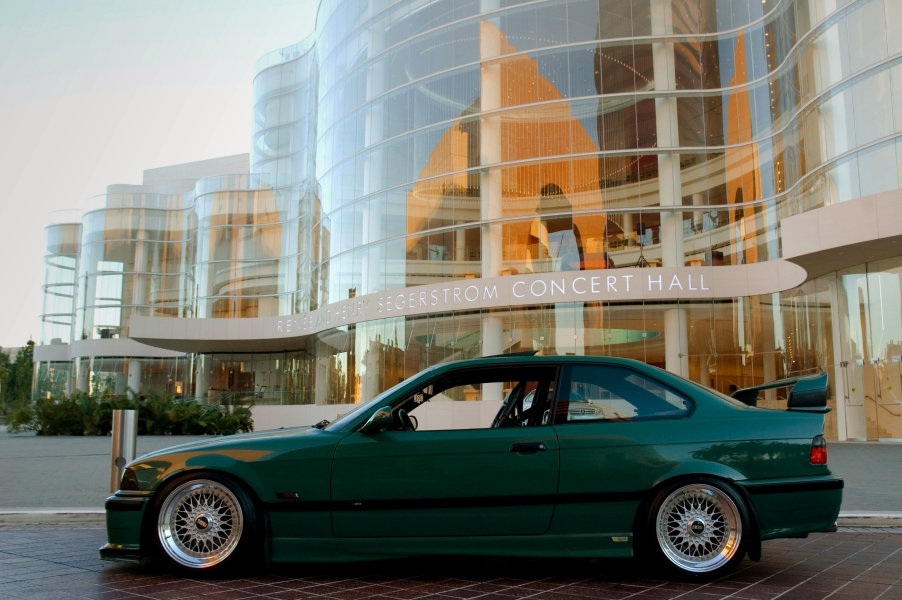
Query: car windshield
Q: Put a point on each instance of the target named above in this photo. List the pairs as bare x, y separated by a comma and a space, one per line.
348, 417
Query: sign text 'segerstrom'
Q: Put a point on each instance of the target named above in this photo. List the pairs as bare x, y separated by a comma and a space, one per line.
495, 292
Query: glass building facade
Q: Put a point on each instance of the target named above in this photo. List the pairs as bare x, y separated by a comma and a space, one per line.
440, 179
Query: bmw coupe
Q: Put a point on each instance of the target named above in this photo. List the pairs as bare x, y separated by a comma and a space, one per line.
559, 456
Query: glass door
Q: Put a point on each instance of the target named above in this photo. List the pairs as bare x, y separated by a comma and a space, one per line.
869, 350
850, 307
885, 319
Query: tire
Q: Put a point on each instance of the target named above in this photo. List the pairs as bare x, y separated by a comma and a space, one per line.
205, 523
698, 528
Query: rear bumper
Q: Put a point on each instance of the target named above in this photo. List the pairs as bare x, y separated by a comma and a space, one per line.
794, 507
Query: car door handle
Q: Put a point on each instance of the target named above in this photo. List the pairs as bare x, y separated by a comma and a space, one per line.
528, 447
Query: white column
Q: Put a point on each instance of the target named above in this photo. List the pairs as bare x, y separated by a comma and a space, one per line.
321, 386
460, 244
139, 290
201, 377
83, 378
629, 231
698, 216
769, 365
134, 376
839, 316
490, 178
490, 148
669, 184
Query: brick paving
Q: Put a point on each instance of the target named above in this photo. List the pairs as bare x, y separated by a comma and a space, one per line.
61, 563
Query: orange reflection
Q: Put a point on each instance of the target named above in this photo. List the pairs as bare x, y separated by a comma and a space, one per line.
743, 168
541, 126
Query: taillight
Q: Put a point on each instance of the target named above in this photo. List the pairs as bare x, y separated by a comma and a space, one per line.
818, 454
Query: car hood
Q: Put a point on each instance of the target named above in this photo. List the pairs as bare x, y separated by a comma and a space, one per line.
224, 441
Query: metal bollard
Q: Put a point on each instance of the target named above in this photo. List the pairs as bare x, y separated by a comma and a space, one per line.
125, 441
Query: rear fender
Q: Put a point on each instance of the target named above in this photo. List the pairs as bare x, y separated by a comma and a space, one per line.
689, 468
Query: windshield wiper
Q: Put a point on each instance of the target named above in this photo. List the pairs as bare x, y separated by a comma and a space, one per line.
322, 424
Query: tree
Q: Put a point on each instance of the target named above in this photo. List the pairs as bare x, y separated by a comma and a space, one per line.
5, 372
16, 391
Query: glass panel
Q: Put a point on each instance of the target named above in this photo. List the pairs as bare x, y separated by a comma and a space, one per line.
893, 14
866, 34
870, 124
878, 169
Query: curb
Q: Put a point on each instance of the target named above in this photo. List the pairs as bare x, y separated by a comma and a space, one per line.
869, 519
13, 517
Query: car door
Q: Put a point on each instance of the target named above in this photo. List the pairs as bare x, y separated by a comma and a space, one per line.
614, 425
492, 480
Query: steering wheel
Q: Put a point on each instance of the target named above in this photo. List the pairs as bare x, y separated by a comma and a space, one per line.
406, 421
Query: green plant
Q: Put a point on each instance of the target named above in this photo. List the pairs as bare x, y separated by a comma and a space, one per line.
158, 414
23, 419
15, 378
48, 417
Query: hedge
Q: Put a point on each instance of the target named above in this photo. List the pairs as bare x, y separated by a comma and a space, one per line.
158, 414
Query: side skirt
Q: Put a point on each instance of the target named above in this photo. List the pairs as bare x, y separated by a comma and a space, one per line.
303, 550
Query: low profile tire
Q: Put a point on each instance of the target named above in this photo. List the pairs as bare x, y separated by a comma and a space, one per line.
205, 523
698, 528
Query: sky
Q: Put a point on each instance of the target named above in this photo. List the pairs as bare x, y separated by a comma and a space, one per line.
94, 92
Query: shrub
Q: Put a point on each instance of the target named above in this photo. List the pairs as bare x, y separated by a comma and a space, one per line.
158, 414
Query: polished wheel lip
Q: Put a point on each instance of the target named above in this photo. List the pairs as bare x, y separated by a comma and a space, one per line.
200, 523
698, 528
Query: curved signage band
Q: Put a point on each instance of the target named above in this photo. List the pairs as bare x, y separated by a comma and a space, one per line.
463, 295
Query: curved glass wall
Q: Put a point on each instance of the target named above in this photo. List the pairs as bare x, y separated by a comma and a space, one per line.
404, 115
135, 260
468, 139
753, 110
60, 264
246, 262
282, 156
133, 376
284, 116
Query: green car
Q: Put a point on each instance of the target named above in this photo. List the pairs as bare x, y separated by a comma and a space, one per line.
562, 456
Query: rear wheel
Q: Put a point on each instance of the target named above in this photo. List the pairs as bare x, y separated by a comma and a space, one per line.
205, 522
698, 528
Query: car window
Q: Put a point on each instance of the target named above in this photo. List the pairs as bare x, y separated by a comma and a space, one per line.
611, 393
350, 416
493, 398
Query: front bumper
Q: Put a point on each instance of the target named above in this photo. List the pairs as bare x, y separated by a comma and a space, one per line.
124, 521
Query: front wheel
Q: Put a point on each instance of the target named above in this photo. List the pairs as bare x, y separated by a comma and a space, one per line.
205, 522
698, 528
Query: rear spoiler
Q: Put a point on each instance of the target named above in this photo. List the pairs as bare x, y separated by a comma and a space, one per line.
809, 392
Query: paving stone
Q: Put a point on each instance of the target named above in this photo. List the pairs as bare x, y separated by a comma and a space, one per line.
61, 562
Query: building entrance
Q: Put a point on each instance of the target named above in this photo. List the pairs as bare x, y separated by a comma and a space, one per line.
869, 353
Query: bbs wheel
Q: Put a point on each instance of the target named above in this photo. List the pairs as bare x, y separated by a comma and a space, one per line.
205, 522
698, 528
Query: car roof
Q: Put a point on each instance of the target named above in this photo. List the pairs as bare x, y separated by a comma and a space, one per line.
529, 358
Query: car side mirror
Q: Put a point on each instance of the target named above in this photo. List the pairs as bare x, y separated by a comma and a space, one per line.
380, 421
